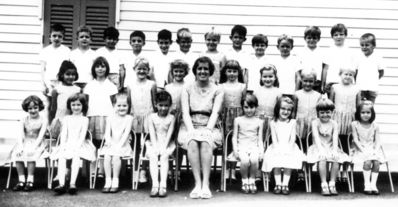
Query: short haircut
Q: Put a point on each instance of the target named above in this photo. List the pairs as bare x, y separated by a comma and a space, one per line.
260, 39
287, 38
270, 67
369, 37
111, 33
143, 61
339, 28
324, 104
100, 61
84, 28
251, 100
361, 106
347, 69
231, 64
57, 28
203, 59
138, 33
32, 99
308, 72
213, 33
66, 65
184, 33
278, 105
163, 96
178, 63
240, 29
165, 34
82, 98
122, 95
312, 31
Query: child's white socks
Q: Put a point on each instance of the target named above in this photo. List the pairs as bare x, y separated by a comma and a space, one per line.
286, 179
366, 179
332, 183
115, 182
108, 182
30, 178
245, 180
21, 178
278, 179
373, 180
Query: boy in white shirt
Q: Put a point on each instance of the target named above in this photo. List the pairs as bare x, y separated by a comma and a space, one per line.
257, 61
161, 59
212, 39
184, 41
238, 37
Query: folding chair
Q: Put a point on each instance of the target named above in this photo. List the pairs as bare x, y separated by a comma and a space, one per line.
100, 156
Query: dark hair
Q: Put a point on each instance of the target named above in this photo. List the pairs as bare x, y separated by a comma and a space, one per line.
312, 31
178, 63
287, 38
184, 33
273, 68
163, 96
100, 61
260, 39
35, 99
251, 100
240, 29
111, 33
339, 28
165, 34
369, 37
361, 106
231, 64
203, 59
66, 65
324, 104
122, 95
138, 33
82, 98
57, 28
278, 106
84, 28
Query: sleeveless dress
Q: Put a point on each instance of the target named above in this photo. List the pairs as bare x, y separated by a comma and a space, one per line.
366, 137
141, 100
161, 125
25, 151
306, 111
175, 109
326, 139
345, 103
283, 154
118, 127
233, 95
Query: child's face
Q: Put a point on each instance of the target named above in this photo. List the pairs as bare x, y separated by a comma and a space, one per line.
237, 40
76, 107
56, 38
311, 41
185, 44
110, 43
285, 111
137, 43
179, 74
164, 45
366, 114
121, 106
142, 71
338, 38
232, 74
324, 116
33, 110
69, 76
285, 47
100, 70
212, 42
249, 111
203, 72
259, 48
268, 78
308, 82
347, 77
163, 108
367, 47
84, 39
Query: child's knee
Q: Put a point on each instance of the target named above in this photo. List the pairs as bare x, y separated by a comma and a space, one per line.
367, 165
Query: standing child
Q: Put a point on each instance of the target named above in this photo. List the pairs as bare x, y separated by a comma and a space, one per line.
184, 41
160, 146
325, 146
247, 141
283, 153
367, 145
66, 76
99, 91
238, 37
212, 39
162, 58
30, 146
83, 56
258, 60
369, 67
73, 143
117, 133
178, 70
231, 83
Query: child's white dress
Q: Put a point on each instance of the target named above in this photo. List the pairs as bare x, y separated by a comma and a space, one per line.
326, 139
141, 100
118, 127
162, 126
306, 111
283, 154
345, 103
366, 137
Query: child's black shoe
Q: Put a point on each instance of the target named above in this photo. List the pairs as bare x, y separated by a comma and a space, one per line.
19, 186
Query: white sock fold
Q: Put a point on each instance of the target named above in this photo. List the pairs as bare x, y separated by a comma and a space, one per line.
373, 180
30, 178
22, 178
108, 182
366, 178
115, 182
332, 183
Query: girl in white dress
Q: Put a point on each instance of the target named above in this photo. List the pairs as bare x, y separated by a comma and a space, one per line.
367, 145
117, 133
247, 141
283, 153
30, 146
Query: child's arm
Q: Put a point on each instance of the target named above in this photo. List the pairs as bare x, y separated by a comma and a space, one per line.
297, 80
216, 109
53, 107
21, 131
274, 134
42, 73
332, 93
260, 138
185, 110
169, 133
292, 139
107, 133
335, 137
126, 132
235, 138
355, 137
122, 75
152, 135
315, 136
377, 139
381, 73
325, 68
83, 133
64, 131
153, 95
358, 99
40, 137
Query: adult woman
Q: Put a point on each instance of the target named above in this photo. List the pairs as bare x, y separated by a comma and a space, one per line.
201, 102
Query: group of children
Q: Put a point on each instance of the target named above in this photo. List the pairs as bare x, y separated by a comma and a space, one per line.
266, 100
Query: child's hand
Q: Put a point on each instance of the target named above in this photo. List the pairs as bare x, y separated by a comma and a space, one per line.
236, 154
334, 155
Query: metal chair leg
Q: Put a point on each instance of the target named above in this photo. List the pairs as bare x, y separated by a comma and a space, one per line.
309, 178
352, 177
390, 178
305, 177
9, 175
